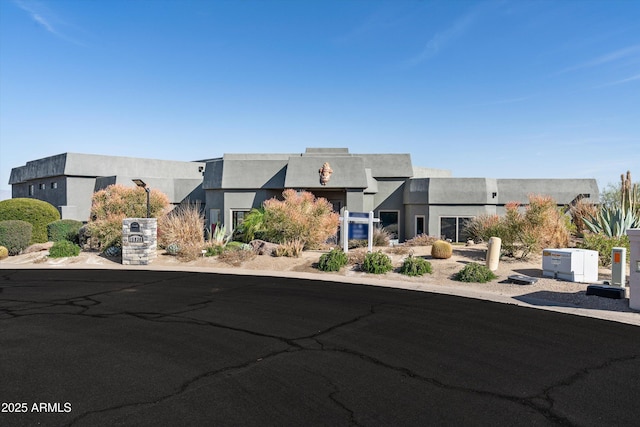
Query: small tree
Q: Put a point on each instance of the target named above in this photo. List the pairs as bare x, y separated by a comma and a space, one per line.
299, 216
116, 202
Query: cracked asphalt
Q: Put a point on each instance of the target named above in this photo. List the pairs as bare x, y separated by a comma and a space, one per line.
143, 348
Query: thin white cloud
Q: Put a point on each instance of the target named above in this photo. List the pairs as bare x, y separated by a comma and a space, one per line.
44, 17
619, 82
607, 58
442, 39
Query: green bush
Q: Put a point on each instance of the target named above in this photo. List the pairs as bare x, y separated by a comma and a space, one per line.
377, 263
63, 249
213, 250
474, 272
333, 260
35, 212
413, 266
252, 226
4, 252
603, 244
15, 235
65, 229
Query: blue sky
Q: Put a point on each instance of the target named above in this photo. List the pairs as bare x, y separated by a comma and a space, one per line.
501, 89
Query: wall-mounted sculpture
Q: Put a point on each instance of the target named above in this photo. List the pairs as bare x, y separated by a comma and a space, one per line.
325, 173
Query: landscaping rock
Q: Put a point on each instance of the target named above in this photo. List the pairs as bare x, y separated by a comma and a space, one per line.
263, 248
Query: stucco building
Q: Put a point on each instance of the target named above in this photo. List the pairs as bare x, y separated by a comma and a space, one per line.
409, 200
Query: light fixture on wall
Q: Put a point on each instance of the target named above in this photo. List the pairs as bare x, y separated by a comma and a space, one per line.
142, 184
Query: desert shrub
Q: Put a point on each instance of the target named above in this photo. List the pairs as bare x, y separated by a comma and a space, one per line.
117, 202
332, 261
65, 229
15, 235
483, 227
299, 216
357, 243
356, 257
474, 272
421, 240
413, 266
441, 249
546, 223
183, 226
236, 257
238, 245
579, 212
190, 251
604, 244
36, 212
213, 250
398, 250
290, 248
381, 236
540, 225
84, 238
4, 252
63, 249
376, 263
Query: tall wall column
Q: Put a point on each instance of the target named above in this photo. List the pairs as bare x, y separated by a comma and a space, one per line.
634, 276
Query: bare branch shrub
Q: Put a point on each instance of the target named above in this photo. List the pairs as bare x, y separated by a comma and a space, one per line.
579, 212
421, 240
236, 257
290, 248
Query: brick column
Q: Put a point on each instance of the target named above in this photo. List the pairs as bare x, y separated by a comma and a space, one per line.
139, 240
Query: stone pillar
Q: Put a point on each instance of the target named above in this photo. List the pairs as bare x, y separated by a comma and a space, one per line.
139, 240
634, 276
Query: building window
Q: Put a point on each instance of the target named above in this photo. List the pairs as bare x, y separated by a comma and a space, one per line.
42, 186
453, 228
54, 185
237, 218
389, 221
31, 189
419, 229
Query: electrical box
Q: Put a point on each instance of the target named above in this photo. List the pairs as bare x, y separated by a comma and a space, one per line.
619, 266
574, 265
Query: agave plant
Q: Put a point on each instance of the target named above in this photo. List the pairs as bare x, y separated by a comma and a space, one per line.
220, 236
612, 222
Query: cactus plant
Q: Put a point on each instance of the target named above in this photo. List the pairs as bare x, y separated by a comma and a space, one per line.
112, 252
441, 249
612, 222
4, 252
173, 249
629, 194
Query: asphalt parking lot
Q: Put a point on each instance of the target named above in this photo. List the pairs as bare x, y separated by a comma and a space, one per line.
112, 347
